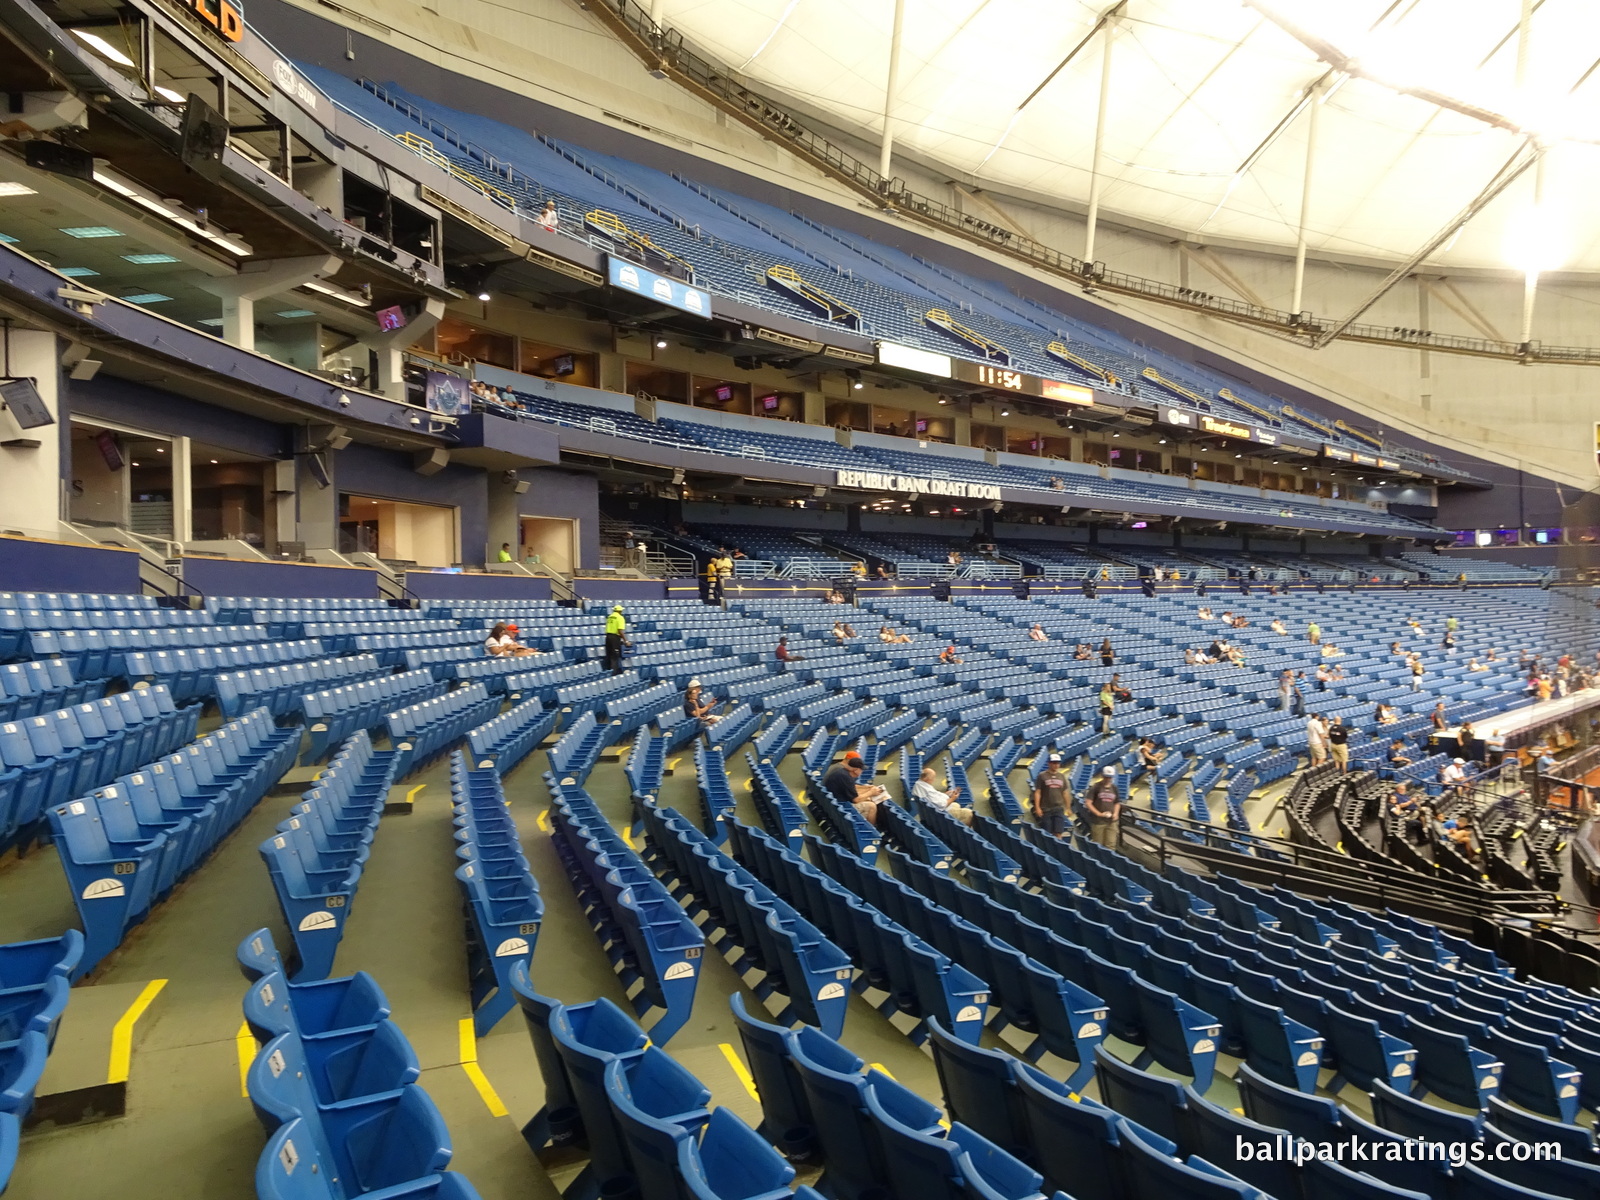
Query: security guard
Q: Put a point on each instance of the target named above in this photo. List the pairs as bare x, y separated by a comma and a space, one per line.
616, 639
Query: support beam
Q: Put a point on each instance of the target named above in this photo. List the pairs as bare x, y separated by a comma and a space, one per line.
1453, 299
1313, 124
1524, 157
256, 281
891, 89
1209, 262
390, 348
1000, 215
1109, 34
181, 464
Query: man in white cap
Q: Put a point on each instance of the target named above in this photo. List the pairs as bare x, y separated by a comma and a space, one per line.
1051, 796
1104, 807
697, 708
1454, 776
616, 639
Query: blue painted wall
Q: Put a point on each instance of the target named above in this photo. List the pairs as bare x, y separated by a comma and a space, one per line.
236, 577
133, 404
36, 566
444, 585
568, 495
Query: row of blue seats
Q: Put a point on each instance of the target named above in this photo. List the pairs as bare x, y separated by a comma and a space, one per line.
332, 715
334, 1084
191, 670
876, 1137
421, 732
280, 688
104, 653
499, 892
30, 688
652, 943
793, 957
34, 989
504, 741
317, 856
578, 750
124, 847
91, 600
917, 979
642, 1118
50, 758
646, 763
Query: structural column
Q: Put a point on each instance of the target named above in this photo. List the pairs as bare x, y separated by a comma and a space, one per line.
256, 281
886, 149
1097, 174
1312, 126
30, 498
390, 348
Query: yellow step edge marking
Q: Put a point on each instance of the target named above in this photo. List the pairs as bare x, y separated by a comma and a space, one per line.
672, 763
411, 796
628, 838
469, 1064
122, 1032
245, 1042
544, 820
884, 1069
739, 1069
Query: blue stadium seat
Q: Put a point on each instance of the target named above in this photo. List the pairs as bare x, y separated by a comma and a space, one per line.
1325, 1179
1276, 1106
731, 1162
658, 1105
981, 1091
1533, 1077
786, 1110
1151, 1101
1153, 1172
1217, 1135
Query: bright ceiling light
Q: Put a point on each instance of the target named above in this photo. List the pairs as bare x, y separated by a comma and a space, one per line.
338, 293
91, 231
8, 188
167, 93
171, 212
1536, 240
103, 48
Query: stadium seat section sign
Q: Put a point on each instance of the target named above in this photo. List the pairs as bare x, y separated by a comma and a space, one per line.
631, 277
916, 485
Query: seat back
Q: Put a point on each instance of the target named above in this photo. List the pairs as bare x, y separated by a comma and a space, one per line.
1150, 1100
732, 1162
980, 1089
1267, 1103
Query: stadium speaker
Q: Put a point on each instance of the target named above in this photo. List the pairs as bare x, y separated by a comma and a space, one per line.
318, 466
59, 159
205, 136
430, 462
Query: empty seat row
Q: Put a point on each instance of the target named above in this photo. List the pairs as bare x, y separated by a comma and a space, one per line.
46, 684
504, 741
124, 846
320, 850
577, 751
48, 759
648, 936
34, 989
917, 979
421, 732
334, 1084
794, 958
499, 893
333, 714
279, 688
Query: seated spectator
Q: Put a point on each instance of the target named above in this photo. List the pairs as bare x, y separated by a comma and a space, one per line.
859, 570
1038, 634
1082, 652
889, 637
502, 642
842, 631
1190, 656
1491, 656
927, 790
1416, 625
883, 571
1383, 714
1236, 656
1396, 648
1205, 612
1454, 776
1149, 755
949, 655
1329, 650
1240, 622
785, 655
1218, 650
1278, 626
835, 597
844, 784
1227, 618
1404, 806
735, 553
698, 707
1475, 665
1397, 755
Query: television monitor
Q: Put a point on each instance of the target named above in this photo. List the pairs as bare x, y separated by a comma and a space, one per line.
768, 403
724, 393
110, 450
22, 400
393, 317
561, 365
